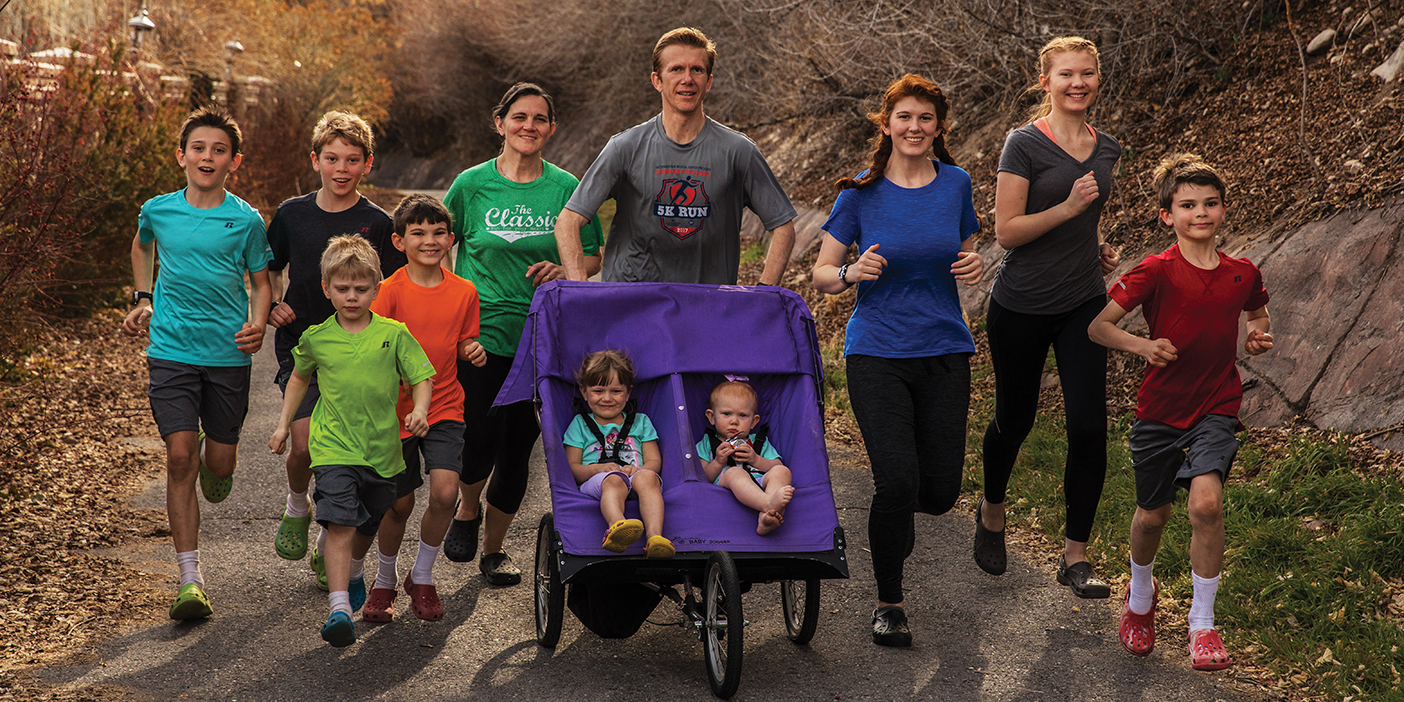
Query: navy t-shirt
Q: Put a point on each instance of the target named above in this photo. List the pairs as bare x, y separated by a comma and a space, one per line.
912, 310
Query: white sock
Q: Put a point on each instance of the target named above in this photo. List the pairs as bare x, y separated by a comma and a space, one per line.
387, 576
423, 573
322, 540
1201, 614
189, 562
297, 504
358, 569
1142, 587
340, 602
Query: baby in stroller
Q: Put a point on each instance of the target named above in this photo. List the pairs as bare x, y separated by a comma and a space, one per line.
613, 451
737, 456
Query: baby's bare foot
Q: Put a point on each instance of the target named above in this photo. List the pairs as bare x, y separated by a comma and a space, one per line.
768, 521
781, 498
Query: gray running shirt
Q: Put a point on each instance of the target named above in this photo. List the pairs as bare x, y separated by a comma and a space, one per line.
1061, 269
678, 216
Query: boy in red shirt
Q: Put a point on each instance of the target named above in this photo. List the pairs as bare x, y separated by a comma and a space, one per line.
1187, 407
441, 311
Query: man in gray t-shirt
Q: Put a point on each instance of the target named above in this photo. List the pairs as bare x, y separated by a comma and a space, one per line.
680, 182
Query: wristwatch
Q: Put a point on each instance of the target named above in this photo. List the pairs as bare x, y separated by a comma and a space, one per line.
843, 275
140, 295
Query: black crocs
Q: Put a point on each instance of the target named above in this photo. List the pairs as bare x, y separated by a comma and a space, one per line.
989, 546
1083, 581
461, 542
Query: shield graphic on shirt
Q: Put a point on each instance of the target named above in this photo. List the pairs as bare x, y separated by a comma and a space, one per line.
682, 206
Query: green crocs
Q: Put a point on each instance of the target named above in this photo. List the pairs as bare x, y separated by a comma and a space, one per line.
191, 603
291, 543
319, 566
214, 487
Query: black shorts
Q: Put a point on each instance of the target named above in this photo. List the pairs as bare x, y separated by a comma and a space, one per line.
1165, 458
186, 397
285, 369
352, 496
442, 448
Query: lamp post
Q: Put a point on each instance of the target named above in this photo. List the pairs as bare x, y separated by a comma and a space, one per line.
140, 26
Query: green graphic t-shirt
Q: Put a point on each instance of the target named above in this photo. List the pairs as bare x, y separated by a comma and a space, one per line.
354, 422
504, 227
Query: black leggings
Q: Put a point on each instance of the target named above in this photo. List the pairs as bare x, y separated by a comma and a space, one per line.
1018, 348
912, 413
496, 442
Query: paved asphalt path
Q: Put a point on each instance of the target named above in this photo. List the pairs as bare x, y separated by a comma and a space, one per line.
1016, 637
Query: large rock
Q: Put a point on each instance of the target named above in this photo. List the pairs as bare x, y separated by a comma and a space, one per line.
1337, 307
1322, 42
1389, 70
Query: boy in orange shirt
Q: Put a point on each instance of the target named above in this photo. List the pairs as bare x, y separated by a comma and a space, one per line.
441, 311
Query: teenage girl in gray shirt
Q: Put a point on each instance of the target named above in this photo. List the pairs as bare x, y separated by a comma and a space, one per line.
1054, 178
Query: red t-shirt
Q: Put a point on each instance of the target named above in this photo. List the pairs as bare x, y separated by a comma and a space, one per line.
1198, 311
438, 318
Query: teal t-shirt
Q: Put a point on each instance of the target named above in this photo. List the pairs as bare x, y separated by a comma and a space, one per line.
200, 302
578, 434
768, 452
359, 374
505, 227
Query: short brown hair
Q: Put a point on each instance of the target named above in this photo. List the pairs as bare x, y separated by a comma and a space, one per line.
685, 36
419, 208
212, 116
350, 256
737, 388
350, 128
1177, 169
600, 366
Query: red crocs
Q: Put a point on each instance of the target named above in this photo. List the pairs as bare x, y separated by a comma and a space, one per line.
1138, 630
424, 600
380, 606
1206, 650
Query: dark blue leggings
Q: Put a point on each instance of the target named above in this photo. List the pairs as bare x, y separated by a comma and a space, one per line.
912, 412
1018, 348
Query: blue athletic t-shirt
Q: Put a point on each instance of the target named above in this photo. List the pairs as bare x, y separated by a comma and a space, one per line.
912, 310
200, 303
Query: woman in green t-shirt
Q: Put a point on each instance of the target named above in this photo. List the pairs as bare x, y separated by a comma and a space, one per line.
504, 216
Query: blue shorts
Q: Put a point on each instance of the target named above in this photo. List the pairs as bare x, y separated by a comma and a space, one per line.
1165, 458
594, 486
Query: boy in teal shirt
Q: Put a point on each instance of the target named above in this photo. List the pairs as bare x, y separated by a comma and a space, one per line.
201, 336
360, 359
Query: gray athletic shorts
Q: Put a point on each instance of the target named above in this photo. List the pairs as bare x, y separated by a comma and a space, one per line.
442, 448
185, 397
352, 496
285, 369
1166, 458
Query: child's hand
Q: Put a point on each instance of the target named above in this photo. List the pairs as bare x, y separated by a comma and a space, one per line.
1109, 258
249, 339
744, 453
281, 315
473, 352
1258, 342
724, 451
417, 422
969, 267
1083, 194
279, 442
543, 272
1160, 352
137, 321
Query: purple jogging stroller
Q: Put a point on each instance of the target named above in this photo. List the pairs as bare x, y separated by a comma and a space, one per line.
682, 339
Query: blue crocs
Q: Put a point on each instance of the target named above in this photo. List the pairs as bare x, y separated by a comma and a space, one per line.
357, 590
339, 631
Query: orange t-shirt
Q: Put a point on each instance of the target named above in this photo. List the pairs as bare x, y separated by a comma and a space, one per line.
439, 318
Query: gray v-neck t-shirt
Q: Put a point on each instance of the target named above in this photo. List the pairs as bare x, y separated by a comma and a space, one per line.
1060, 270
678, 206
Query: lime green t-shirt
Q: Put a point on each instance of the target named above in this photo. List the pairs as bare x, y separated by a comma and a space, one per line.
354, 422
504, 228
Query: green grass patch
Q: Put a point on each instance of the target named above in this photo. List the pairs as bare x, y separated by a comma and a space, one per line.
753, 251
1314, 557
606, 213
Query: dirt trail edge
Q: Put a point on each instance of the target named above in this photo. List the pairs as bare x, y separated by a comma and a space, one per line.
1016, 637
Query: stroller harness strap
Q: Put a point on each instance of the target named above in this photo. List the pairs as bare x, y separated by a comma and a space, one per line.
609, 452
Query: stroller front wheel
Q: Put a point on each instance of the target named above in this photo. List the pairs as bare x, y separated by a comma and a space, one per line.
800, 601
722, 624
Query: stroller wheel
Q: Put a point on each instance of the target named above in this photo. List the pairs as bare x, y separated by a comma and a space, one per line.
800, 601
722, 624
550, 591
